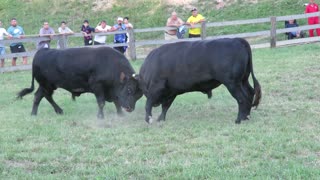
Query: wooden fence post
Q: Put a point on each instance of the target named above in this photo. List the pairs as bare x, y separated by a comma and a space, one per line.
132, 45
273, 32
203, 30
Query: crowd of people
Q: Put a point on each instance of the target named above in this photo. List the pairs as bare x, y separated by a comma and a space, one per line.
16, 32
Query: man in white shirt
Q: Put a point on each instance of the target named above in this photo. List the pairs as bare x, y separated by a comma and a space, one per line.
63, 30
128, 26
101, 39
2, 48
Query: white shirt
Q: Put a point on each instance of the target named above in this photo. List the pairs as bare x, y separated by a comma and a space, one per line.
3, 31
129, 26
102, 38
65, 30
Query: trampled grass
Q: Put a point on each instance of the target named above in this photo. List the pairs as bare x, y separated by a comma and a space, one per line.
199, 140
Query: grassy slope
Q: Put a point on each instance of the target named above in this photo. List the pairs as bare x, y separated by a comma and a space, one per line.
198, 140
143, 13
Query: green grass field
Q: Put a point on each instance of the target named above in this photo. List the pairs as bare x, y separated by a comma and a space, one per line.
199, 140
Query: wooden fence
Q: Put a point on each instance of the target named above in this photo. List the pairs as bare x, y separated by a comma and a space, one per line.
133, 44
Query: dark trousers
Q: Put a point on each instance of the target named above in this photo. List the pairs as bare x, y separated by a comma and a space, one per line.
121, 49
88, 42
194, 35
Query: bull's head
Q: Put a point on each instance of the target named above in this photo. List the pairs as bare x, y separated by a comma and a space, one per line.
130, 92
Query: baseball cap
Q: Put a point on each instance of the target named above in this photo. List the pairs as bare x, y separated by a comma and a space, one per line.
193, 9
120, 19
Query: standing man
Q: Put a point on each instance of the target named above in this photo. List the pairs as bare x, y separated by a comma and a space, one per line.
45, 31
101, 39
120, 38
173, 21
63, 30
17, 33
192, 21
311, 8
3, 32
128, 26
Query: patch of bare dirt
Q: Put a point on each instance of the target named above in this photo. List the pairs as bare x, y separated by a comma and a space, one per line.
100, 5
185, 3
27, 165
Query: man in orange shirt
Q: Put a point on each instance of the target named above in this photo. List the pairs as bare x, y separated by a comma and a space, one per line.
311, 8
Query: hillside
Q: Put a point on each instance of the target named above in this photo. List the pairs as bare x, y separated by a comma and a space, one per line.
143, 13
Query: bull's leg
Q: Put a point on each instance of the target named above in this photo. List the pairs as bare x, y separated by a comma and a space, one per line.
149, 111
99, 93
101, 103
36, 101
48, 95
153, 98
165, 106
244, 105
118, 107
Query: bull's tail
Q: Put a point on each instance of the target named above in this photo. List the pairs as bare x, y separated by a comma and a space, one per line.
256, 85
26, 91
257, 90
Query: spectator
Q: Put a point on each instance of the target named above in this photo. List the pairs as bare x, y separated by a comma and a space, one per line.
290, 24
173, 21
220, 4
120, 38
17, 32
192, 21
127, 23
128, 26
3, 31
87, 33
63, 30
45, 31
311, 8
101, 39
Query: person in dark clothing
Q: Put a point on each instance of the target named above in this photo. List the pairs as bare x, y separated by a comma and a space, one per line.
87, 33
290, 24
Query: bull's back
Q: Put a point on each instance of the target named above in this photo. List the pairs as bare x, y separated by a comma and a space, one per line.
74, 68
189, 62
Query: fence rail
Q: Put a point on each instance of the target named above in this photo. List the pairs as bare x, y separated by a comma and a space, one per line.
271, 33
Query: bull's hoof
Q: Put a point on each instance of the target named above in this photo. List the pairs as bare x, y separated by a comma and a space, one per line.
149, 120
238, 121
247, 118
160, 118
59, 111
100, 116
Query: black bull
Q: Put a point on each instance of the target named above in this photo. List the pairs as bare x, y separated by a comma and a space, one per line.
102, 71
177, 68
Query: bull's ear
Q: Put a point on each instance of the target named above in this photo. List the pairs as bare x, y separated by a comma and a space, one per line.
122, 77
136, 76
